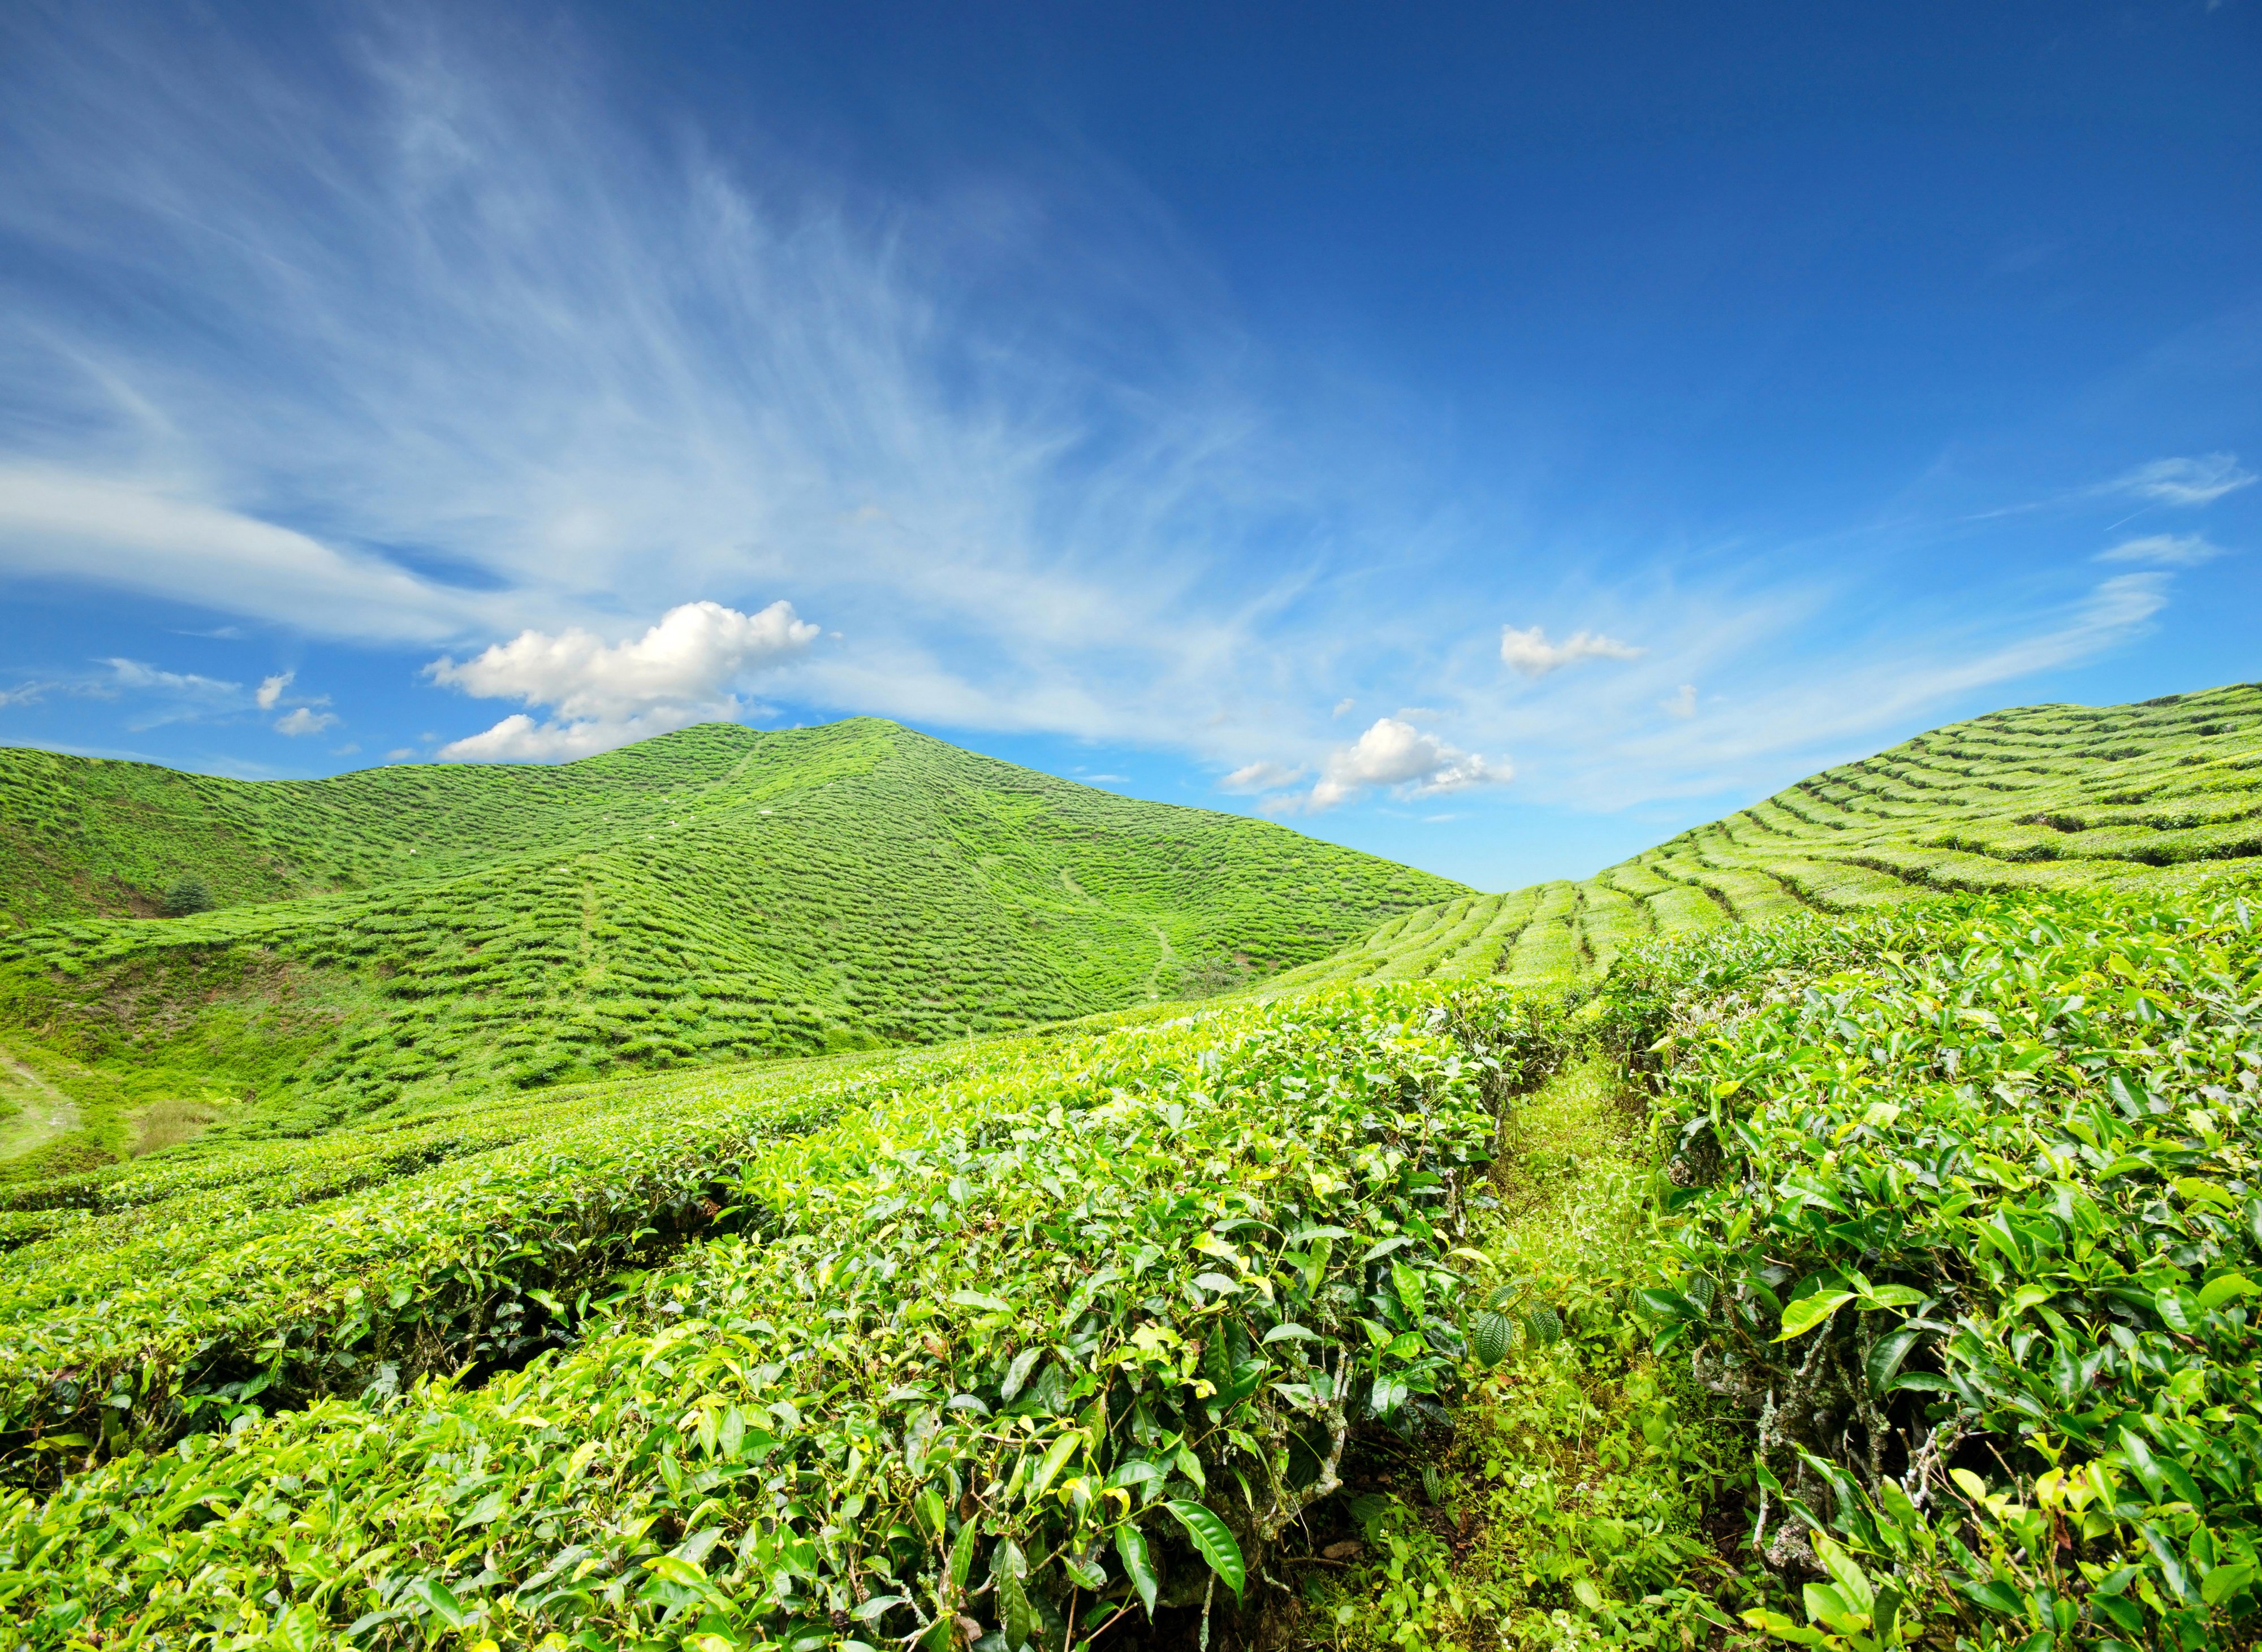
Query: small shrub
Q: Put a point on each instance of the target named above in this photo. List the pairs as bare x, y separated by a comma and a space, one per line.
188, 896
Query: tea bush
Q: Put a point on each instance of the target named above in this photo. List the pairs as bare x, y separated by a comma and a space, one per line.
1965, 1215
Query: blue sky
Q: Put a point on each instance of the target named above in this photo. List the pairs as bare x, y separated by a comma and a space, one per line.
1495, 439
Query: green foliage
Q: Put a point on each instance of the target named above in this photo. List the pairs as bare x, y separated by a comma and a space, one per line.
188, 896
408, 935
1965, 1212
1062, 1331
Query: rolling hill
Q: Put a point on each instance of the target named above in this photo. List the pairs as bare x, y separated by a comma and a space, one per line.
405, 934
2035, 798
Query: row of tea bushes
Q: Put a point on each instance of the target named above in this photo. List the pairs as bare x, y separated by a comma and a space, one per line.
1073, 1334
231, 1287
1967, 1215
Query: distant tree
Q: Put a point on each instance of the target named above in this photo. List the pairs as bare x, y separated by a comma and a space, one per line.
185, 897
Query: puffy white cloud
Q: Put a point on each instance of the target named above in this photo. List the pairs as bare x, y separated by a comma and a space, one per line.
305, 720
1530, 653
271, 689
2195, 481
2166, 550
1400, 756
1261, 777
1682, 703
603, 695
519, 738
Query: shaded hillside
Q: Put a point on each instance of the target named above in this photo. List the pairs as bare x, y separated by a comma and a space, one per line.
2040, 797
715, 894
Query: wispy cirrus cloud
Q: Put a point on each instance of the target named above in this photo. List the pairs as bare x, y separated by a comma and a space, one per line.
1261, 776
2165, 550
2199, 481
476, 357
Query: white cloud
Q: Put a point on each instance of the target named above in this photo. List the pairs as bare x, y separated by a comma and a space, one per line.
401, 754
2167, 551
305, 720
1682, 702
1531, 654
24, 694
1401, 756
1261, 777
134, 674
2194, 481
271, 689
138, 533
677, 673
1343, 705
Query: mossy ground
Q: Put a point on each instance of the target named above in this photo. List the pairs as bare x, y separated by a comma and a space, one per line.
1584, 1492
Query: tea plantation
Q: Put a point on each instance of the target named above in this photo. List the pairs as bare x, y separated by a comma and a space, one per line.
404, 936
1880, 1273
2160, 796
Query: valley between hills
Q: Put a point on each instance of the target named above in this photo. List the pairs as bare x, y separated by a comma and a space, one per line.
830, 1190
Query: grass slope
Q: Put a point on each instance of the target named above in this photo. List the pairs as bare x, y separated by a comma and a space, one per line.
403, 935
2150, 796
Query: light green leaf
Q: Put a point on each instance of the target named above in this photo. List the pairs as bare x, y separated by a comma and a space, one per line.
961, 1559
1059, 1453
1783, 1629
2222, 1289
1852, 1582
1807, 1312
1890, 1297
1291, 1333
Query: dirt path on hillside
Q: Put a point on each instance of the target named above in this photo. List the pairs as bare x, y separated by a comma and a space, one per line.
44, 1112
1162, 941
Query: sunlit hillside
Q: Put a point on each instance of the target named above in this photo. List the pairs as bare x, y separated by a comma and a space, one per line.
2043, 797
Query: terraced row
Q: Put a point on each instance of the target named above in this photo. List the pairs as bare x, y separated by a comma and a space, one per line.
2158, 795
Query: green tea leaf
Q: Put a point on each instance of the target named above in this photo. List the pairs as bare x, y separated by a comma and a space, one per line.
1803, 1316
1213, 1541
1131, 1549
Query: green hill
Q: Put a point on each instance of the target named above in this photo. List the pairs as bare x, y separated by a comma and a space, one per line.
2037, 797
408, 933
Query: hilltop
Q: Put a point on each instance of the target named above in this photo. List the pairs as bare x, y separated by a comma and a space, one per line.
2036, 798
715, 894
